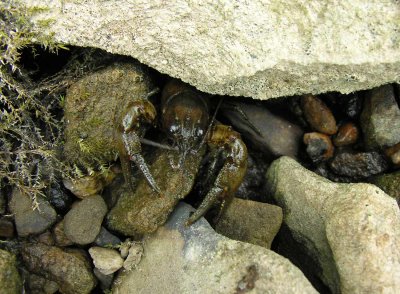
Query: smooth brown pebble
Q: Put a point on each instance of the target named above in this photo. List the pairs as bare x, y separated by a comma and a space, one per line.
318, 115
319, 146
347, 135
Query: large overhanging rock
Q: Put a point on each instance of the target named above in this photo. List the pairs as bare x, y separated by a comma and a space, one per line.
259, 48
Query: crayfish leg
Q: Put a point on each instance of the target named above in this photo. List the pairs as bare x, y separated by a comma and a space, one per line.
232, 172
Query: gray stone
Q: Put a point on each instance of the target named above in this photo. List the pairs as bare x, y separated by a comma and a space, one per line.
258, 49
352, 230
69, 269
105, 238
10, 281
380, 118
195, 259
83, 222
31, 220
266, 131
250, 221
106, 260
105, 280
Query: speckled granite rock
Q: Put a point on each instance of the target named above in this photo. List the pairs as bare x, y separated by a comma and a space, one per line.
259, 49
195, 259
352, 230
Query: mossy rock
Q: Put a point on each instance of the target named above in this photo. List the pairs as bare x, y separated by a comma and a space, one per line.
10, 281
94, 107
389, 183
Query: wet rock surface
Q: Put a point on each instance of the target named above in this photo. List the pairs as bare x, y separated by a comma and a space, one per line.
249, 221
83, 222
358, 165
69, 269
380, 119
336, 223
142, 211
31, 220
205, 262
10, 280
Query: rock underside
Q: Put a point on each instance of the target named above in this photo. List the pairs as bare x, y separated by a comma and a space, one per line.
254, 49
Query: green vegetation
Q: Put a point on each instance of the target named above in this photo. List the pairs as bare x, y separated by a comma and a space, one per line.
29, 130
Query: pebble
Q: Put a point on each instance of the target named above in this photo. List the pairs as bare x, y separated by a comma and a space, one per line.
59, 199
346, 135
89, 185
380, 118
105, 238
82, 223
358, 165
10, 280
266, 131
195, 259
105, 280
70, 269
352, 231
394, 154
318, 115
59, 235
6, 228
46, 238
30, 221
319, 146
106, 260
250, 221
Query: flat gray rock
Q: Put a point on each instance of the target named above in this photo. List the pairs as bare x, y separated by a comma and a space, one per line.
195, 259
30, 220
352, 230
259, 49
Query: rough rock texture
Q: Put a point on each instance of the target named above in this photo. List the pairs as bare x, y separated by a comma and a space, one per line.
390, 183
106, 260
70, 270
352, 230
10, 281
82, 223
260, 49
250, 221
31, 221
195, 259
